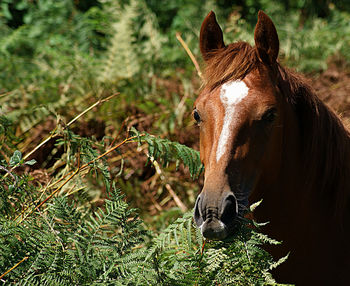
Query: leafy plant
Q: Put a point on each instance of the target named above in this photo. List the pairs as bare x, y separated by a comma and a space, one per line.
166, 150
183, 257
59, 240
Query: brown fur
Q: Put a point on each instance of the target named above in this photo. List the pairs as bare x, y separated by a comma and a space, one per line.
321, 128
304, 176
324, 136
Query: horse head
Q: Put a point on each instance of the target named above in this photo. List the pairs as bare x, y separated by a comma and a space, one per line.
240, 112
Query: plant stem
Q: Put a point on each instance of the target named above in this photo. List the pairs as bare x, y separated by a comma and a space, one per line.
54, 134
188, 51
73, 173
13, 267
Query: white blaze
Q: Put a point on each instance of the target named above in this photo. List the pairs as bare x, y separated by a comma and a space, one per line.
231, 94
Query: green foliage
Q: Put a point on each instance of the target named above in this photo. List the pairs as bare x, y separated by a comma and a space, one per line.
184, 258
8, 139
166, 150
66, 247
135, 43
59, 54
301, 39
61, 241
16, 159
302, 49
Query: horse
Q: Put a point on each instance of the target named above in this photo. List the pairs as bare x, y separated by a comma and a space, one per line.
264, 134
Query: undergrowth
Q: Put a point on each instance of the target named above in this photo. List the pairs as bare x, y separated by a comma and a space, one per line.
49, 235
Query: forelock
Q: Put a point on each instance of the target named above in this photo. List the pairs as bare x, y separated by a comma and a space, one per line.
232, 62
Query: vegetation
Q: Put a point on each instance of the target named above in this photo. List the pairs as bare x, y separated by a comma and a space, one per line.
53, 235
83, 84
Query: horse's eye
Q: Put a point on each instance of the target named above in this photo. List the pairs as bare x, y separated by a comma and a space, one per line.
196, 116
269, 115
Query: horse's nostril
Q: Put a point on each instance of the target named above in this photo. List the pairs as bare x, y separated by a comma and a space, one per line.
197, 213
214, 229
229, 210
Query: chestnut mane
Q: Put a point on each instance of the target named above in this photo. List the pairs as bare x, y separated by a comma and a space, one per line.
325, 141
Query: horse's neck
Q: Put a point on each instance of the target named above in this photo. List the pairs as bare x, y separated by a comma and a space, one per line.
314, 171
325, 145
307, 202
324, 142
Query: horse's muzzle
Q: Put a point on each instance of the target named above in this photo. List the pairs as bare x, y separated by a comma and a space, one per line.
216, 218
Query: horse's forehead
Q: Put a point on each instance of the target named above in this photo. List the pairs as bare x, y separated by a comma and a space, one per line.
233, 92
256, 84
228, 92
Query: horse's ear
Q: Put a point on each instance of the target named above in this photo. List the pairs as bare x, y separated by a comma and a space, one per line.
266, 39
211, 37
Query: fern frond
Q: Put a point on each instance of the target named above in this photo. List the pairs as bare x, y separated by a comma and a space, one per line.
166, 150
131, 45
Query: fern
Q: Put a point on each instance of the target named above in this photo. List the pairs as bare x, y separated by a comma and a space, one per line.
135, 41
66, 245
66, 248
166, 151
236, 261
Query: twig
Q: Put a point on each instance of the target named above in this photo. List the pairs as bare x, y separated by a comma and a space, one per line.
50, 196
53, 134
5, 93
13, 267
9, 173
175, 197
203, 246
193, 59
112, 149
91, 107
120, 131
73, 173
32, 203
55, 191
